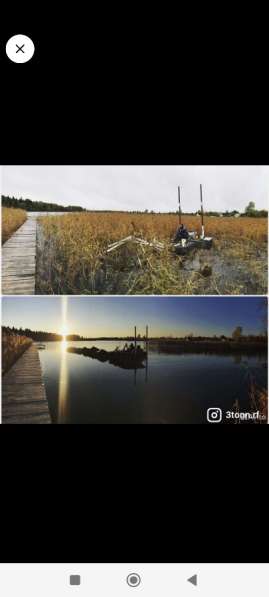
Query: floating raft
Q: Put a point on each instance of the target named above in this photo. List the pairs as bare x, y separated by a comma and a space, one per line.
23, 392
180, 248
191, 244
126, 359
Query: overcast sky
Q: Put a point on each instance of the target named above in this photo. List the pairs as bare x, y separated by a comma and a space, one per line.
140, 187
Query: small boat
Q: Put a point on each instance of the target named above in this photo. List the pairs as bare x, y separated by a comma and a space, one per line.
41, 346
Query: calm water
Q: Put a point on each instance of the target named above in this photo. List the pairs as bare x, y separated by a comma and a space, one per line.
174, 388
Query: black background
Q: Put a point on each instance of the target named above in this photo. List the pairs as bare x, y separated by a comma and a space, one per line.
134, 89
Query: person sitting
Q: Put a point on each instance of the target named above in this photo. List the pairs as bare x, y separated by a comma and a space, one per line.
181, 233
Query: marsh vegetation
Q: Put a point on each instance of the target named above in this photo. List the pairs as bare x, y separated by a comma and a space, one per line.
13, 346
72, 256
12, 219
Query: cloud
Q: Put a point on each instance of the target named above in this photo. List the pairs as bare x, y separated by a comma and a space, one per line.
140, 187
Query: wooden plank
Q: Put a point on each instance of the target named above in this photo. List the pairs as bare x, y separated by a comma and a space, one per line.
24, 398
139, 241
19, 260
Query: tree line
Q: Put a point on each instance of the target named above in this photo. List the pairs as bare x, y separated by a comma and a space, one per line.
41, 336
30, 205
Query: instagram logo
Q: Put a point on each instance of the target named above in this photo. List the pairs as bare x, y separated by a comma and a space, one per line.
214, 415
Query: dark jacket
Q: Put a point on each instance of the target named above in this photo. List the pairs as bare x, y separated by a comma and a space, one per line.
181, 232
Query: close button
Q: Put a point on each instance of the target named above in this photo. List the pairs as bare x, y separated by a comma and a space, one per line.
20, 48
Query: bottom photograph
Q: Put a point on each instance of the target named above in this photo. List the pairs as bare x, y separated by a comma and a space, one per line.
134, 360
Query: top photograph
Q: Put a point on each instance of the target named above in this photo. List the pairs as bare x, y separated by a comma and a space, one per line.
134, 230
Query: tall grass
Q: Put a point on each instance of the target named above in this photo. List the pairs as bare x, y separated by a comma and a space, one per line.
13, 347
73, 256
108, 227
12, 219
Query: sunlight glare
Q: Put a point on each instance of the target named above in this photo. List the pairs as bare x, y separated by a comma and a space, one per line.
63, 379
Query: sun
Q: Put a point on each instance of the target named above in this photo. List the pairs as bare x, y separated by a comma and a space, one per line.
64, 330
64, 333
64, 341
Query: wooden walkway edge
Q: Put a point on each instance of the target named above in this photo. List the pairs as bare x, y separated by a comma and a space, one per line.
19, 260
23, 392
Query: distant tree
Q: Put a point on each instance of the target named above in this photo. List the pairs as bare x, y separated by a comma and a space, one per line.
250, 209
237, 333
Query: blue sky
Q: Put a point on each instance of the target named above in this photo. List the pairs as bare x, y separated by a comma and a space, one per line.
140, 187
108, 316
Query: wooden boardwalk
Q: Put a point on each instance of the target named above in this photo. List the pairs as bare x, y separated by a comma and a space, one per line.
19, 260
23, 391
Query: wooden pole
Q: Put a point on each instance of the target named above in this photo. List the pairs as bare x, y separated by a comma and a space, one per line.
202, 211
179, 206
135, 336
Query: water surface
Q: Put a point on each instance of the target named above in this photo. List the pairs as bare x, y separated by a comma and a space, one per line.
171, 389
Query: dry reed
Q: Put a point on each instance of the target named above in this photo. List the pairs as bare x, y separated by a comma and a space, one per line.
73, 256
12, 219
13, 347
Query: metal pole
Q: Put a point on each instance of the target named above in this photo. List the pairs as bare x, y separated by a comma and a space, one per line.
179, 206
135, 356
147, 338
202, 212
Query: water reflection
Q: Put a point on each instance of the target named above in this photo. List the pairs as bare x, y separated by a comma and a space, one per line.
63, 345
63, 386
238, 359
179, 388
63, 375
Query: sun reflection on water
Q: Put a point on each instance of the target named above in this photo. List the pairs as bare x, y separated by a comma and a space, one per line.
64, 344
63, 379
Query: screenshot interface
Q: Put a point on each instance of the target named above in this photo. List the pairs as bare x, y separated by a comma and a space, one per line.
134, 318
134, 580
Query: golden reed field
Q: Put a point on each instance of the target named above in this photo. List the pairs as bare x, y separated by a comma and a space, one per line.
13, 347
108, 227
72, 256
11, 220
